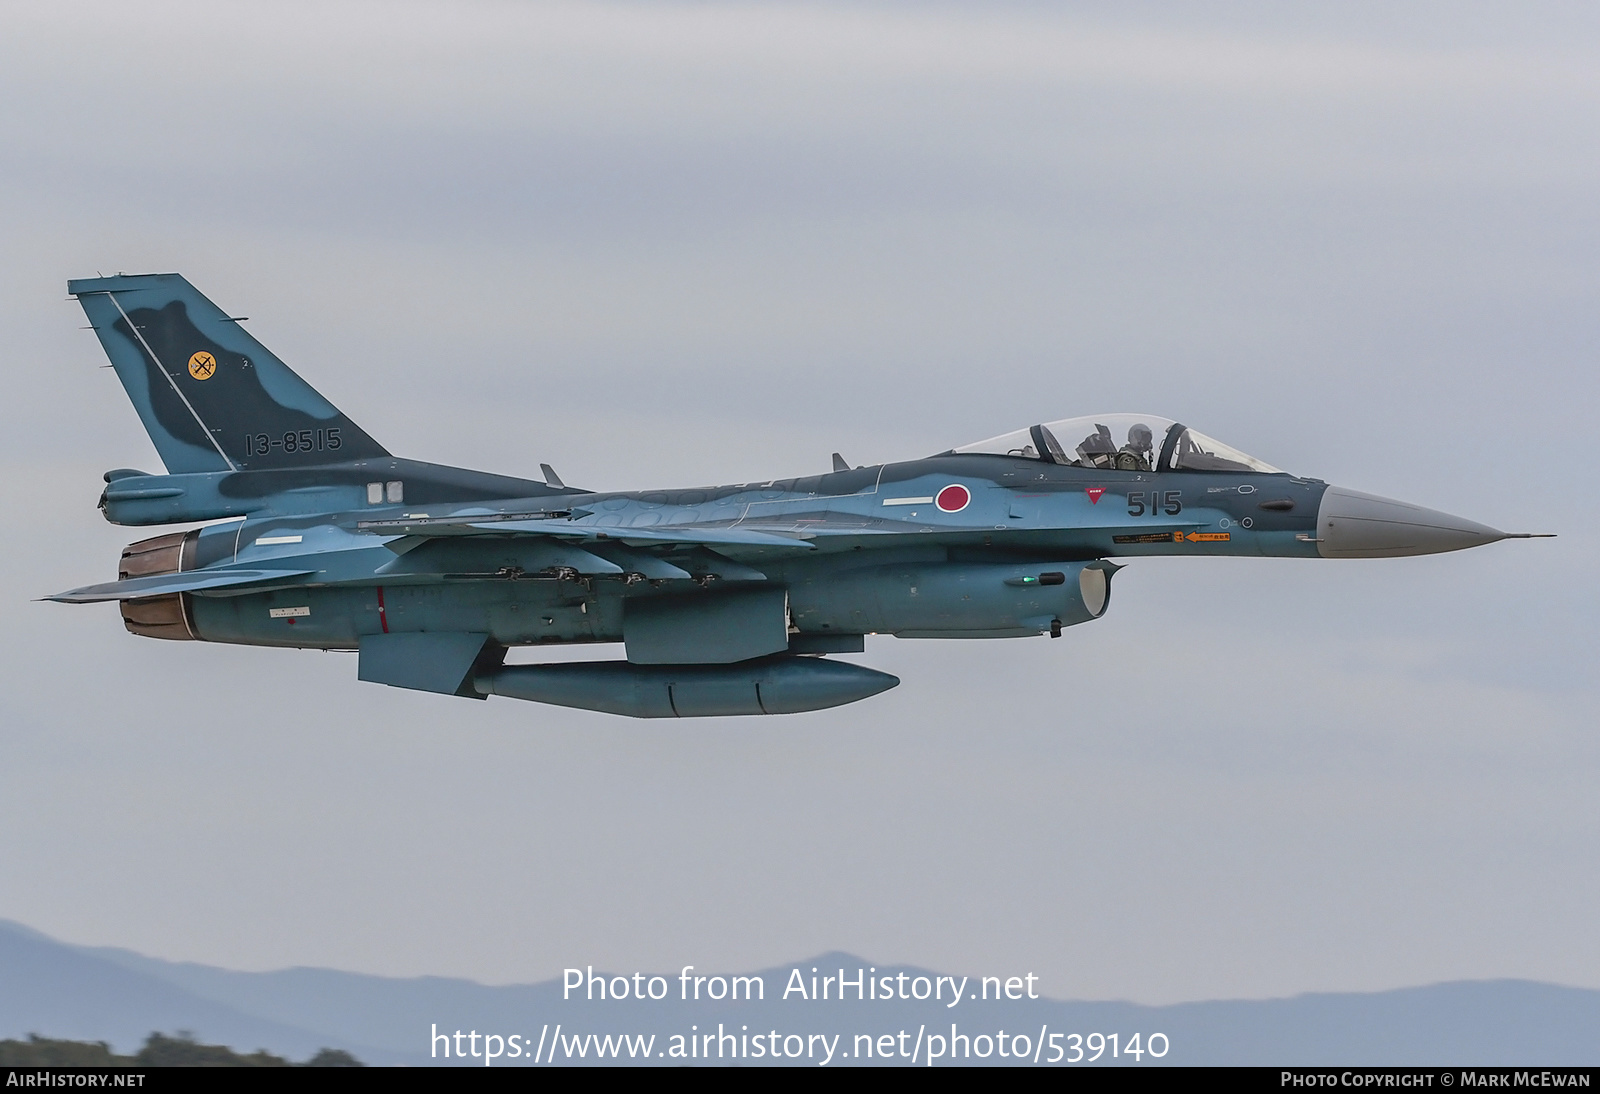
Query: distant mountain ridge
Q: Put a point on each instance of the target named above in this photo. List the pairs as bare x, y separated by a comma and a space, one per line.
57, 990
88, 993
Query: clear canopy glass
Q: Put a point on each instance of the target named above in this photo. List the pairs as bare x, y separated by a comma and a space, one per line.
1122, 442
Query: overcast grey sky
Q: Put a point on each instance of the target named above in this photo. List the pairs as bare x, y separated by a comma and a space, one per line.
663, 244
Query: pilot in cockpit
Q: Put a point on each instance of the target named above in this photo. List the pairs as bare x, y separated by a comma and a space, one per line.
1136, 454
1099, 450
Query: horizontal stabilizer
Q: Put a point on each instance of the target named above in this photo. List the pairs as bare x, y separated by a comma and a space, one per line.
164, 584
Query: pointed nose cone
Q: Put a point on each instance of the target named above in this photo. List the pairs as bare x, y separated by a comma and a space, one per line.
1355, 525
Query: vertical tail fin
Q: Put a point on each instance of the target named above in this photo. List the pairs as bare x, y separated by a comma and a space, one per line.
211, 397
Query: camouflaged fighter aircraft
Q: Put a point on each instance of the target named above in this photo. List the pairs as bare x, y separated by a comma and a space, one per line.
726, 598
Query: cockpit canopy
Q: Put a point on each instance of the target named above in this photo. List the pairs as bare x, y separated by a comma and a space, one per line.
1122, 442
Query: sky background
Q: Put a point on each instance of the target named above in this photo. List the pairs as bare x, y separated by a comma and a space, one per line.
681, 244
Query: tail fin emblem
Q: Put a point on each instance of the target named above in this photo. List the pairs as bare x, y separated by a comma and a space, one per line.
202, 365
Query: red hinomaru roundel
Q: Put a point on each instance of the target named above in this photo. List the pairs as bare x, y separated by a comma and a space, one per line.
953, 498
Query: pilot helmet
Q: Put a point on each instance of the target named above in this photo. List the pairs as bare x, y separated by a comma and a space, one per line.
1140, 437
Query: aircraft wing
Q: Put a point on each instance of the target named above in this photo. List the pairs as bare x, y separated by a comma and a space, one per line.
848, 525
708, 537
162, 584
688, 535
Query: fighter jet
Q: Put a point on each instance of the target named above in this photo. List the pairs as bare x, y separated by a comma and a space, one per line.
727, 599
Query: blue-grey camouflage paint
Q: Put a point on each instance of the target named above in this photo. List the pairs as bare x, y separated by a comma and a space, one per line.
725, 597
